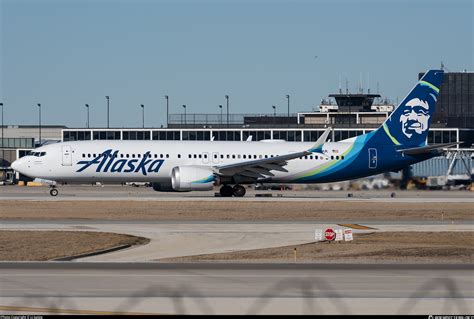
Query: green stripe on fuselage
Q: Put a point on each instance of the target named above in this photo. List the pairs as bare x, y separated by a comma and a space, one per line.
327, 165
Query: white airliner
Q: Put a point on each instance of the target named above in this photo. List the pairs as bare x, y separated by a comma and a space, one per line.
201, 165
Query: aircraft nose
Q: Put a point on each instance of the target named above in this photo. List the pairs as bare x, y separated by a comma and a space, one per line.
16, 165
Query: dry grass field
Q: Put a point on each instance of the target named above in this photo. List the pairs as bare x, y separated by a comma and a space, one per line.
234, 210
48, 245
390, 247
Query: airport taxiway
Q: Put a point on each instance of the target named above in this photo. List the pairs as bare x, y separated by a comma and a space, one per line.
168, 240
239, 288
129, 193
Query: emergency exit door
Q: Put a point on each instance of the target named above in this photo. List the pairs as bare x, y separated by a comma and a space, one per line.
67, 156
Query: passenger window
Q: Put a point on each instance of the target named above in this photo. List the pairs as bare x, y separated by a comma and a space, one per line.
337, 157
205, 155
139, 155
128, 155
167, 155
233, 156
332, 157
195, 156
179, 155
342, 157
89, 155
189, 156
133, 155
238, 156
311, 157
266, 156
200, 155
83, 155
228, 156
222, 156
94, 155
215, 155
306, 157
245, 156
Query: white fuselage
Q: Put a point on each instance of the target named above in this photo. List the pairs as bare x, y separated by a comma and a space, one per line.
61, 162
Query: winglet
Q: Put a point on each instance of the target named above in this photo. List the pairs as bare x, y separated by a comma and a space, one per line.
318, 146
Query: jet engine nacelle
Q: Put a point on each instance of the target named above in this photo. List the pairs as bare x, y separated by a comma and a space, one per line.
192, 178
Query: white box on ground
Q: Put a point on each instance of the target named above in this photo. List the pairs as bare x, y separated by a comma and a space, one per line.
318, 235
348, 235
339, 235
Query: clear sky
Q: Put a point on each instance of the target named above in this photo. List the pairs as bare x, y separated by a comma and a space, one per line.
65, 53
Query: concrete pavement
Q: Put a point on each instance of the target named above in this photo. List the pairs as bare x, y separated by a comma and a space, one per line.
169, 240
240, 288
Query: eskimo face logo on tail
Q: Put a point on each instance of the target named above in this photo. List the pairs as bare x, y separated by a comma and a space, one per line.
415, 116
108, 161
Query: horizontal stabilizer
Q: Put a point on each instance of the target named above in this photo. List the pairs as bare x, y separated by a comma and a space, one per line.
427, 149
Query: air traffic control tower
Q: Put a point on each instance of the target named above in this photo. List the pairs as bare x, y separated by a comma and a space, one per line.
354, 102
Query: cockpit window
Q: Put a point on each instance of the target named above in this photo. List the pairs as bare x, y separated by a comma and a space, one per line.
37, 154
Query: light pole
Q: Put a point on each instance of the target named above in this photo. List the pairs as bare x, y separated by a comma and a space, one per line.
227, 100
167, 109
143, 115
274, 114
87, 107
184, 106
3, 146
108, 98
39, 109
220, 106
288, 98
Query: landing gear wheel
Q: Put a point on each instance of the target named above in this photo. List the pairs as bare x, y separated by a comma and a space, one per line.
226, 191
54, 192
239, 191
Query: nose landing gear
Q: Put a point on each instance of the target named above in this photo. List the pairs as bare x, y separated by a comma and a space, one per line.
53, 191
236, 191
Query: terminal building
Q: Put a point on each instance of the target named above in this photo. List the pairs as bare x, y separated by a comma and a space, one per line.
349, 115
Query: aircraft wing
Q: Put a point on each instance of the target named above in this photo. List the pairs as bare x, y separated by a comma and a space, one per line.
261, 168
427, 149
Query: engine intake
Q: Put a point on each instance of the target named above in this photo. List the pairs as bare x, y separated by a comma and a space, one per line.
192, 178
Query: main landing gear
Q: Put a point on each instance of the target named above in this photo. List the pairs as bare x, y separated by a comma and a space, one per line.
236, 191
53, 191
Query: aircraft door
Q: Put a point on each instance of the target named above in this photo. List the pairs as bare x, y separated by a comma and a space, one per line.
372, 158
67, 155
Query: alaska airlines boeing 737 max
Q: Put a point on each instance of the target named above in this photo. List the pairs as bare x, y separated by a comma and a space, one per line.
191, 166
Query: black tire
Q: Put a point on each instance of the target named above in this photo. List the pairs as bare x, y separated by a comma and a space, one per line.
239, 191
226, 191
54, 192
